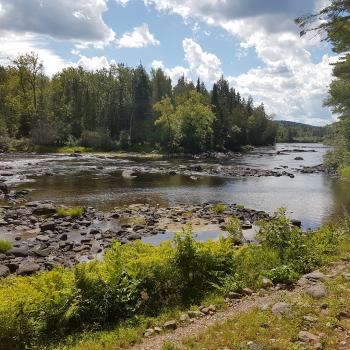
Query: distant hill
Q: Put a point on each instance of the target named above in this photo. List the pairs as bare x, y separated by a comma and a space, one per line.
298, 132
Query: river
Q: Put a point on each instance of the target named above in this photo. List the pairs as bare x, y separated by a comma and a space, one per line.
97, 181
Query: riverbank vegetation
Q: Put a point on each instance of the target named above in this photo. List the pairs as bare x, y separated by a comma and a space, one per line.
123, 108
137, 281
335, 26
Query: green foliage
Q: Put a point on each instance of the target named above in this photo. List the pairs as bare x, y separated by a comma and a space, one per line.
73, 212
118, 107
345, 173
219, 208
140, 279
233, 227
5, 246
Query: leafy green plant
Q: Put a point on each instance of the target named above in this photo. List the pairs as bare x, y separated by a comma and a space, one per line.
73, 212
219, 208
233, 227
5, 246
239, 206
283, 274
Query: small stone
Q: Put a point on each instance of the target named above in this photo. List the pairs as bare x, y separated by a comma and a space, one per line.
234, 295
205, 310
184, 318
308, 337
310, 318
157, 330
317, 291
343, 314
170, 325
254, 346
18, 251
281, 308
266, 283
148, 333
247, 291
194, 314
4, 271
315, 276
27, 268
346, 275
212, 308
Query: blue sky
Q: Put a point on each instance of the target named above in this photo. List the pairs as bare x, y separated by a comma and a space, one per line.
254, 43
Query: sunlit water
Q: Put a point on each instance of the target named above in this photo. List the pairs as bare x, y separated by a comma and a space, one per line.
97, 182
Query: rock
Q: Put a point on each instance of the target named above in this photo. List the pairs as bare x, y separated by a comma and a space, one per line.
317, 291
315, 276
129, 174
184, 318
134, 236
310, 318
28, 268
3, 188
4, 271
205, 310
63, 237
44, 209
212, 308
254, 346
148, 333
266, 283
234, 295
42, 238
170, 325
296, 222
18, 251
48, 226
343, 314
158, 330
307, 337
247, 291
194, 314
346, 275
281, 308
298, 158
247, 225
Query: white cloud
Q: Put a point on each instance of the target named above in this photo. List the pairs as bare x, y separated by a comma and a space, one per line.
204, 64
122, 2
174, 73
78, 21
139, 37
289, 82
94, 63
11, 45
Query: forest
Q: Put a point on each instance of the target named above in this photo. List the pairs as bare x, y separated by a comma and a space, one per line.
123, 108
298, 132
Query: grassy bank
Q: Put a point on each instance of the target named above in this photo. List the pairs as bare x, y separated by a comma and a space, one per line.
103, 304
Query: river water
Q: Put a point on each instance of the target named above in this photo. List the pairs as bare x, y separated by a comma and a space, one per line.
97, 181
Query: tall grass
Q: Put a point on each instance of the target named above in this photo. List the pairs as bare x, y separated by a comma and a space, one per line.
73, 212
5, 246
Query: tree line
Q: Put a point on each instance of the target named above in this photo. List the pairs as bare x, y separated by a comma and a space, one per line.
124, 108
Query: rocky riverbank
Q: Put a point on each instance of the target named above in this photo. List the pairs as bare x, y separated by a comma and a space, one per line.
41, 239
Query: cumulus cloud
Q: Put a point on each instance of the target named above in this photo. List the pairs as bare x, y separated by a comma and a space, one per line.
289, 82
174, 73
11, 45
94, 63
78, 20
139, 37
206, 65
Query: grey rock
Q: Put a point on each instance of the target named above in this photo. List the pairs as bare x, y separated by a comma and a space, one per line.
281, 308
44, 209
48, 226
170, 325
317, 291
28, 268
4, 271
315, 276
307, 337
254, 346
18, 251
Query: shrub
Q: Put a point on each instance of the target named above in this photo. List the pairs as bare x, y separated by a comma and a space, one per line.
233, 227
283, 274
345, 173
97, 140
73, 212
5, 246
239, 206
219, 208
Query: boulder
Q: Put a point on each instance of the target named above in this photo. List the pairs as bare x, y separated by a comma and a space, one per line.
28, 268
18, 251
307, 337
281, 308
170, 325
4, 271
315, 276
317, 291
3, 188
48, 226
44, 209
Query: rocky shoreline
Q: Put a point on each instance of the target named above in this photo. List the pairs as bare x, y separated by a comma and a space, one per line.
41, 239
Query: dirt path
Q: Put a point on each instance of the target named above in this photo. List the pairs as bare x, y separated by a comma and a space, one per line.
240, 306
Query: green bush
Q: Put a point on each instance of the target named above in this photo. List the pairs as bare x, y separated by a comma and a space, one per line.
140, 279
219, 208
73, 212
100, 141
5, 246
233, 227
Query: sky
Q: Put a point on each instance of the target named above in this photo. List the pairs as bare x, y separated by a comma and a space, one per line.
255, 44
